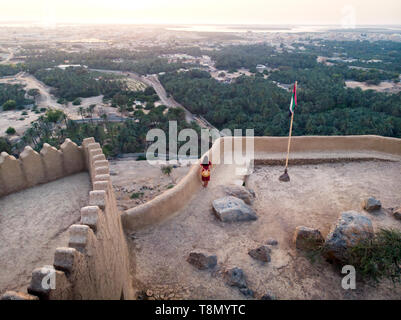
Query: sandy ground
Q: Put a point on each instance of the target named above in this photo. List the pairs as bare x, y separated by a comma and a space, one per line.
140, 177
384, 86
315, 197
33, 225
21, 122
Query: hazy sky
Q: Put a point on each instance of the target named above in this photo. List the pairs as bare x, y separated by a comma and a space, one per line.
204, 11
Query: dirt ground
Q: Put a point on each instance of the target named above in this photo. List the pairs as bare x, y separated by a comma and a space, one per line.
33, 223
384, 86
315, 197
144, 180
20, 123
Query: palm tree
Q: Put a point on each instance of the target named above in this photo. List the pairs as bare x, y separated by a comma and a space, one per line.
81, 112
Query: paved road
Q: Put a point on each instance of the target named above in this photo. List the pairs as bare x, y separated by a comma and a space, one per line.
10, 56
153, 81
46, 99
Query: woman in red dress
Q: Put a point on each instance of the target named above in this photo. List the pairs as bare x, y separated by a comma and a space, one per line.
205, 170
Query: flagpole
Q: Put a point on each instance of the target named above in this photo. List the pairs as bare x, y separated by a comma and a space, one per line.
285, 176
289, 142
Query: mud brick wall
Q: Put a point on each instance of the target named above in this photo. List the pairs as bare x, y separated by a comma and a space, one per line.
95, 263
33, 168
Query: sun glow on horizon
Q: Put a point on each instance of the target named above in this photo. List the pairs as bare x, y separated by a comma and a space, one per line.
200, 12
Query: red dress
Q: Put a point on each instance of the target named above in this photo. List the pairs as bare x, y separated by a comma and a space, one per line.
206, 171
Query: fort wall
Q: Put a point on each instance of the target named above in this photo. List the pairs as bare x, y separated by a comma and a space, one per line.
178, 197
172, 200
95, 263
33, 168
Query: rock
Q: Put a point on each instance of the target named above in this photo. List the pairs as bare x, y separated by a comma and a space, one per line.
307, 238
149, 293
202, 260
267, 296
235, 277
231, 209
351, 228
371, 204
247, 292
13, 295
272, 242
141, 295
252, 192
397, 214
239, 192
262, 253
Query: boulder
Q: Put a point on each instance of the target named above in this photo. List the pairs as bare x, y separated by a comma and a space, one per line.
267, 296
397, 214
262, 253
247, 292
239, 192
231, 209
307, 238
371, 204
272, 242
13, 295
351, 228
235, 277
202, 260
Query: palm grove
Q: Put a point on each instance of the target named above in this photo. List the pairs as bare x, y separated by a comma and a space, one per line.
326, 106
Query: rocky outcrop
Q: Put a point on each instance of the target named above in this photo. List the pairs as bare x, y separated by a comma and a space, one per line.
397, 214
239, 192
272, 242
13, 295
232, 209
247, 292
371, 204
202, 260
235, 277
261, 253
351, 228
267, 296
307, 238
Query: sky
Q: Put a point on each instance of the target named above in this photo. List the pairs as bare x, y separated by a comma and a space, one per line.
360, 12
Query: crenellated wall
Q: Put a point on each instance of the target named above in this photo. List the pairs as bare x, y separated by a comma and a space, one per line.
95, 263
173, 199
34, 168
178, 197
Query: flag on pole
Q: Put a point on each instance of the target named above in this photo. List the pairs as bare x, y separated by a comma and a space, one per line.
293, 100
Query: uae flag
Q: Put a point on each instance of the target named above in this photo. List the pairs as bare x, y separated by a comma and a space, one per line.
293, 99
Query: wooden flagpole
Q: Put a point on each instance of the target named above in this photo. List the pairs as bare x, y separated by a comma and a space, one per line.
289, 141
290, 134
285, 176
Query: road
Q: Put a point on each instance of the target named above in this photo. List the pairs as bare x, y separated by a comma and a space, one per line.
13, 118
10, 56
153, 81
46, 100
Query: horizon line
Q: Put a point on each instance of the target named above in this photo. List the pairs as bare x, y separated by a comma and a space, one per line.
186, 23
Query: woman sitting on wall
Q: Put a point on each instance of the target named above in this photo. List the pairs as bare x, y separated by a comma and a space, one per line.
205, 170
